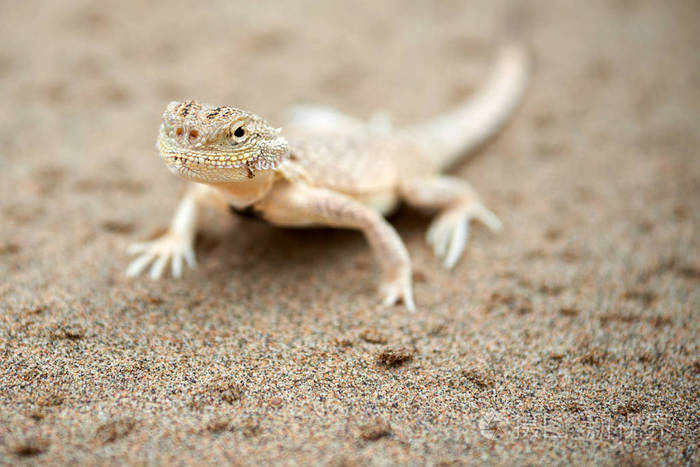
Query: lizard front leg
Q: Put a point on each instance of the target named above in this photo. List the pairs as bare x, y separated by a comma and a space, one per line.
298, 205
459, 203
177, 244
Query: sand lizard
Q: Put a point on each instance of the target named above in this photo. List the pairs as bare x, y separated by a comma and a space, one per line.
328, 169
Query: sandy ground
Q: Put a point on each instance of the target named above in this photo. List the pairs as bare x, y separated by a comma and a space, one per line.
573, 337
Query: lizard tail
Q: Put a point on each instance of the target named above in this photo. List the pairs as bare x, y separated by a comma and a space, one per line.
447, 138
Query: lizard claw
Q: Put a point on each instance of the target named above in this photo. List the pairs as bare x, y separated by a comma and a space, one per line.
449, 232
170, 247
399, 289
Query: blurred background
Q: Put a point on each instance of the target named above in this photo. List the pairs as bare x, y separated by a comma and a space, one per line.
611, 112
596, 177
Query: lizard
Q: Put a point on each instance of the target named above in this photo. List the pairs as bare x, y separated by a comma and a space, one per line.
332, 170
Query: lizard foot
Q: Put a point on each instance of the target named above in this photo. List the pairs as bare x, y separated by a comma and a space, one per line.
398, 290
170, 247
449, 232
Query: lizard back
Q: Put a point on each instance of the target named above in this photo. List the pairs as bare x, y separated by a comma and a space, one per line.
356, 163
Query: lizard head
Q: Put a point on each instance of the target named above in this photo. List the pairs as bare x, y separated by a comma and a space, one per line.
208, 144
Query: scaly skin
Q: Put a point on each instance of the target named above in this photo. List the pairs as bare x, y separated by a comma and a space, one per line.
332, 170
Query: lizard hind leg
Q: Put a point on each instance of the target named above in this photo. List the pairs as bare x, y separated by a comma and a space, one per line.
458, 204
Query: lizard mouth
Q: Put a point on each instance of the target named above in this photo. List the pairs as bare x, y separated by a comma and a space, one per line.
190, 160
203, 168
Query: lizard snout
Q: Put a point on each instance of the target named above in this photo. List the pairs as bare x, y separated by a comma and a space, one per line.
182, 132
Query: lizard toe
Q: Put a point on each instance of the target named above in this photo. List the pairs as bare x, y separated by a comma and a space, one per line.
488, 218
399, 290
159, 265
448, 236
458, 240
157, 253
449, 232
176, 266
140, 263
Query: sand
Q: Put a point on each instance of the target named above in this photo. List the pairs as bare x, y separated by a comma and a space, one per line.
572, 337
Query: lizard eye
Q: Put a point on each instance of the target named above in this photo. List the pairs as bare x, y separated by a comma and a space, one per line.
239, 134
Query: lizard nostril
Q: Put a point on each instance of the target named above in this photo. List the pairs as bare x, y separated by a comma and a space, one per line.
194, 134
178, 131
